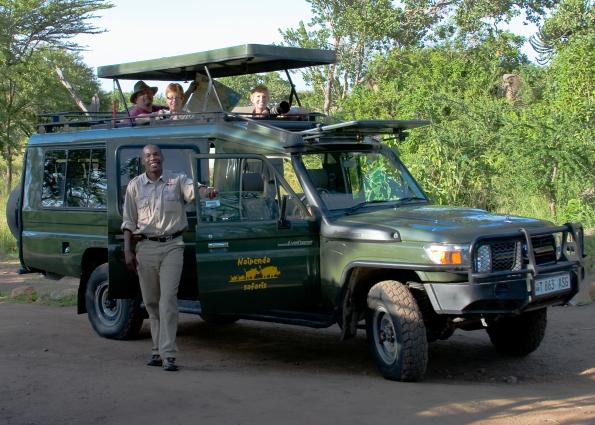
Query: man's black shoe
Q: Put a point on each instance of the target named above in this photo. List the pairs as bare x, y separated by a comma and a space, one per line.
170, 364
155, 360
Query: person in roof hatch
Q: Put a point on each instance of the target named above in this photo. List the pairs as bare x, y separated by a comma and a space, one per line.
143, 95
176, 99
142, 98
259, 97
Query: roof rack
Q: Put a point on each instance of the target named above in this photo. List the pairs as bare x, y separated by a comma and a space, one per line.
75, 121
68, 121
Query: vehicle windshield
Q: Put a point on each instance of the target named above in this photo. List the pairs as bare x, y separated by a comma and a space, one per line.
353, 180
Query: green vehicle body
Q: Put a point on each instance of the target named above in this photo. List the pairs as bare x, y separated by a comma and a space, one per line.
309, 254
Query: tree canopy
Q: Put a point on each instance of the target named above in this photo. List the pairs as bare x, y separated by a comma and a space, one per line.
35, 37
507, 135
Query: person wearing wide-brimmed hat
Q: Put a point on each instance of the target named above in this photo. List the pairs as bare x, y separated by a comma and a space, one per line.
142, 98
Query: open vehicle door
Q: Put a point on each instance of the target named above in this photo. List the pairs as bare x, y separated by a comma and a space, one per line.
256, 244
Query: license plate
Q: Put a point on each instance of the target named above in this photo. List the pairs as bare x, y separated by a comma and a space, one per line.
552, 284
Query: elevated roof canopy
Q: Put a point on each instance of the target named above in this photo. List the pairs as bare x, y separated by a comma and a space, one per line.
230, 61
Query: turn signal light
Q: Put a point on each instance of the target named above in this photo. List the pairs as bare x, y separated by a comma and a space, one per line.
447, 254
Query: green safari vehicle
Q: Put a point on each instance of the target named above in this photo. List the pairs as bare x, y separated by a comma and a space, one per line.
316, 223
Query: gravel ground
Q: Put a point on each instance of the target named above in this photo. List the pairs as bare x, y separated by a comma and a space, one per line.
56, 370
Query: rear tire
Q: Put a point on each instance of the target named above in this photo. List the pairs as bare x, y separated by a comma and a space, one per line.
519, 335
12, 207
396, 332
111, 318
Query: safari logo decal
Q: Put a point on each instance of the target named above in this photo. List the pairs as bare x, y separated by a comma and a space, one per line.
260, 269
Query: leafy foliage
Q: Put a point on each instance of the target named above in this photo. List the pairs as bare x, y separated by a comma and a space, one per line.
482, 150
279, 88
35, 36
506, 135
527, 151
572, 18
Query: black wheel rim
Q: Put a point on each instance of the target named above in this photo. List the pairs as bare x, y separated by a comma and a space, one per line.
108, 309
385, 336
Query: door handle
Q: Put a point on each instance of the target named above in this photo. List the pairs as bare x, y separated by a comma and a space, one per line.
218, 245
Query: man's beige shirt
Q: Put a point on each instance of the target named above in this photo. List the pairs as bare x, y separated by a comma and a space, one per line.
157, 208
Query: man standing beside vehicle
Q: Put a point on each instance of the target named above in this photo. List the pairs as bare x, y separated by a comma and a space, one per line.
154, 219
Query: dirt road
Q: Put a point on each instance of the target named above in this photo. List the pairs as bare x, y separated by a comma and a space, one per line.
55, 370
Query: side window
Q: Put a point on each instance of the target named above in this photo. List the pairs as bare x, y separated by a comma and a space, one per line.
130, 166
77, 175
294, 209
175, 159
54, 171
74, 178
97, 180
247, 193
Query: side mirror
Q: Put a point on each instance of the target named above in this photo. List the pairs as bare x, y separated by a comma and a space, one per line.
283, 223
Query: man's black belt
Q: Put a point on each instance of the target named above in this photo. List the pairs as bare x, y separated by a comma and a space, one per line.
164, 238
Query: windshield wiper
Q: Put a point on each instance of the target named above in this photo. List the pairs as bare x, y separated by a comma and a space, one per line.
356, 207
411, 198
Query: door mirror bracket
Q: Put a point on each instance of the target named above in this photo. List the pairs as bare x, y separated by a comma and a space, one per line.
283, 223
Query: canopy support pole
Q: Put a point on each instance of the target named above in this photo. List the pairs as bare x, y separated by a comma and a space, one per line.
293, 91
214, 89
123, 99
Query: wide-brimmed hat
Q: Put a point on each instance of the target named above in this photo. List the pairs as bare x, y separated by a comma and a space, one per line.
139, 87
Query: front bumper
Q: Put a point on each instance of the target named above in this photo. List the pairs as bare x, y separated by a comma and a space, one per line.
504, 297
509, 292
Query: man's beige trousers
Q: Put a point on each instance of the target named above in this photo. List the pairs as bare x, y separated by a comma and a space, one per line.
159, 269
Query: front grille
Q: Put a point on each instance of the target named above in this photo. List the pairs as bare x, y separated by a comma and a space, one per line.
506, 255
544, 248
511, 254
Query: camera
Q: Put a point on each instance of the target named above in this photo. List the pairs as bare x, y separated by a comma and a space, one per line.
280, 108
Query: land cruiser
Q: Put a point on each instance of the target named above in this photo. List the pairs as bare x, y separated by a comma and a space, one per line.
316, 223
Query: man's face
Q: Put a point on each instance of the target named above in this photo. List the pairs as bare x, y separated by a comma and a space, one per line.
259, 99
152, 159
145, 98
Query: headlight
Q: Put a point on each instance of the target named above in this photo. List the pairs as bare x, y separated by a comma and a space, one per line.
483, 259
448, 254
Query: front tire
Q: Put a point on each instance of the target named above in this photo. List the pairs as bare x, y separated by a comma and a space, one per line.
111, 318
396, 332
518, 335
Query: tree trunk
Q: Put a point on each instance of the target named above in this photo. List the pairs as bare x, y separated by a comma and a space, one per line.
328, 90
552, 205
73, 93
552, 194
345, 86
9, 166
330, 78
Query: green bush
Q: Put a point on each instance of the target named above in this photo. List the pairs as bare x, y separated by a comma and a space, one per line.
7, 241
